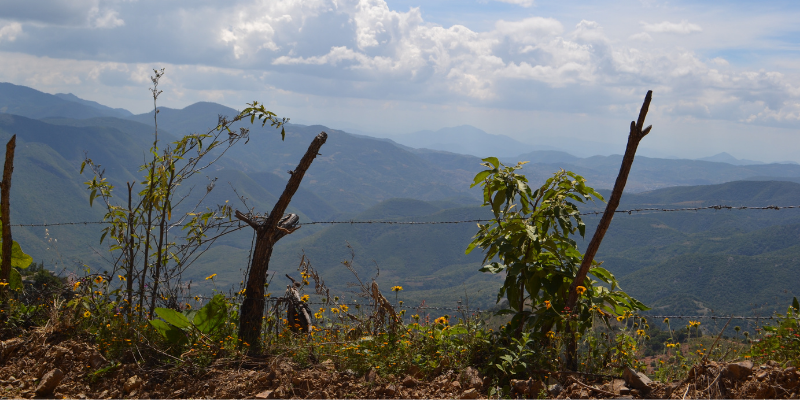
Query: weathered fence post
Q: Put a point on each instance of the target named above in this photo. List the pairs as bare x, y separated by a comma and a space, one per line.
635, 136
268, 233
5, 210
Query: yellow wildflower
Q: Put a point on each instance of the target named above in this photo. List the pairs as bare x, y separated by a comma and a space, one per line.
581, 290
211, 276
550, 334
547, 304
98, 280
345, 308
122, 278
640, 332
87, 314
304, 299
397, 288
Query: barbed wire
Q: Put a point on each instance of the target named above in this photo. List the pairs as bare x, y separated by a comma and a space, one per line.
353, 222
722, 317
65, 223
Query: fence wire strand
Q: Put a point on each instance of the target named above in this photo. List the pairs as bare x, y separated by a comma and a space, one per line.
354, 222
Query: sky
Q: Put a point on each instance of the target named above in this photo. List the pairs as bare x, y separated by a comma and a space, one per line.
725, 74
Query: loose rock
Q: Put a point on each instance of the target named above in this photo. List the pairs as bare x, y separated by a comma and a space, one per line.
132, 383
740, 370
637, 380
471, 393
472, 378
49, 382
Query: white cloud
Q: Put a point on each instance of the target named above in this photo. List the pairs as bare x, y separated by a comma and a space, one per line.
683, 27
523, 3
104, 19
10, 31
365, 49
641, 37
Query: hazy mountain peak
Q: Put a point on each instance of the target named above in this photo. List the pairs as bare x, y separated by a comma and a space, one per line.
467, 139
729, 159
120, 112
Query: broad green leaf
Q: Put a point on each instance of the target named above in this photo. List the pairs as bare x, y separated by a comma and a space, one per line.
795, 304
173, 317
212, 315
492, 160
480, 177
603, 274
170, 332
15, 280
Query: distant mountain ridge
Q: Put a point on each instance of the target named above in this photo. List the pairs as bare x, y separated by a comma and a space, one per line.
120, 112
664, 258
31, 103
466, 139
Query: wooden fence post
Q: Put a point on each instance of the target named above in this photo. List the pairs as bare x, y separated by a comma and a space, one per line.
268, 233
635, 136
5, 210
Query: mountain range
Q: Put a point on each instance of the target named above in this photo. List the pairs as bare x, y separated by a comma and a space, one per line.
669, 260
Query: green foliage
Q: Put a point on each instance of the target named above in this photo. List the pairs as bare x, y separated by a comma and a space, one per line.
137, 232
780, 342
531, 239
176, 327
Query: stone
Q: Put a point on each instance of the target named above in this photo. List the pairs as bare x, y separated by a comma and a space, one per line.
328, 364
555, 389
9, 346
96, 360
531, 387
132, 383
471, 378
415, 371
455, 385
409, 381
636, 380
371, 376
740, 370
49, 382
519, 386
617, 385
761, 375
319, 394
470, 393
297, 381
267, 394
390, 390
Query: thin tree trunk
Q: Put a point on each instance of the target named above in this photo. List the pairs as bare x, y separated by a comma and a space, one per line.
5, 210
131, 260
635, 136
267, 234
162, 232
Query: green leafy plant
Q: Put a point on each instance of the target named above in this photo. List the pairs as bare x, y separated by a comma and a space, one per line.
19, 260
531, 240
146, 256
177, 327
779, 342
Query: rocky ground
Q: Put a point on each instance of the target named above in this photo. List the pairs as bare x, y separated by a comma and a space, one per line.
35, 366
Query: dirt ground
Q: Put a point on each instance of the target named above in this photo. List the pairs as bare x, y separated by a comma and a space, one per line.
47, 367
